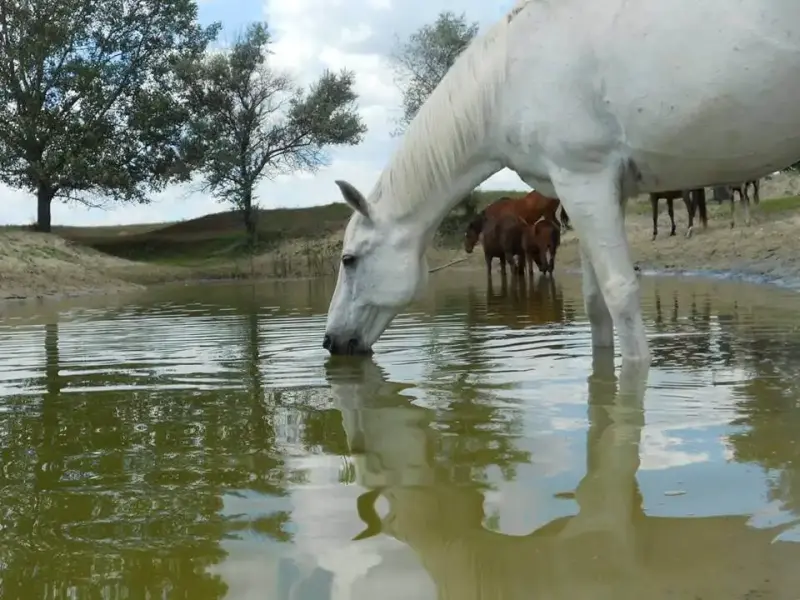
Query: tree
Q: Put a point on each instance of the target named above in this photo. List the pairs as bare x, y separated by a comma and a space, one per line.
89, 104
420, 63
253, 122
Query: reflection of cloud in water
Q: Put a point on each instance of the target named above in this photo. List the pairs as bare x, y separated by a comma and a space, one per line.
660, 450
323, 524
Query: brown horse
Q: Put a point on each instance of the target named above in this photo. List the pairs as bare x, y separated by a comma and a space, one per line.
530, 208
744, 198
540, 242
502, 238
692, 199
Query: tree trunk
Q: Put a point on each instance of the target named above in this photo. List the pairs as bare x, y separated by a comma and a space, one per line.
44, 201
250, 218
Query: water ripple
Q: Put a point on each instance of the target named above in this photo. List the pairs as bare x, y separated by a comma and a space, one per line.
177, 434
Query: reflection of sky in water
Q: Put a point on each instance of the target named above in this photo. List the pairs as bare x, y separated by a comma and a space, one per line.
683, 449
540, 377
324, 521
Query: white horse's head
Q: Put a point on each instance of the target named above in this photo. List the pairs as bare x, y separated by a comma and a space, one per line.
383, 268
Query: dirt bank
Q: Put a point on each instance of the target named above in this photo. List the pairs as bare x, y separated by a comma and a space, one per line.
37, 265
769, 249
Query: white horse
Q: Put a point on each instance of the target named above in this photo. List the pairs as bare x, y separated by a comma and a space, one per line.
591, 101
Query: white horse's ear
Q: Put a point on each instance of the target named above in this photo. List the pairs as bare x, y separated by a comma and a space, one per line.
353, 197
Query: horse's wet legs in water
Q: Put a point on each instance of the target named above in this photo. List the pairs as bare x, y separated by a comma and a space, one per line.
610, 286
488, 257
517, 267
552, 264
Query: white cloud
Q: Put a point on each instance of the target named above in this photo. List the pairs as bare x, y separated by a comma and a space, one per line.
309, 35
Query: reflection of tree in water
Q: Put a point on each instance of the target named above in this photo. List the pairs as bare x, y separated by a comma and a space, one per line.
476, 433
123, 490
610, 549
696, 342
770, 414
767, 401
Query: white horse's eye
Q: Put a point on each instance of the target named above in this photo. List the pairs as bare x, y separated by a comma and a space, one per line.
348, 260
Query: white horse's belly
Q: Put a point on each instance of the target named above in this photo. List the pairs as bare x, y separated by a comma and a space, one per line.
723, 103
694, 92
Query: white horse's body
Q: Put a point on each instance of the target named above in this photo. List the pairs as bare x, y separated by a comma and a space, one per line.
591, 101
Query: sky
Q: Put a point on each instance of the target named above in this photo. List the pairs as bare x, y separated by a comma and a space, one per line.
309, 35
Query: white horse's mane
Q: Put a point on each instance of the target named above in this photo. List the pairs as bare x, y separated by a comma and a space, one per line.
448, 126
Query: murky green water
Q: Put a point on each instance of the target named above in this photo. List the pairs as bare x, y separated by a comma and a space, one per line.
197, 443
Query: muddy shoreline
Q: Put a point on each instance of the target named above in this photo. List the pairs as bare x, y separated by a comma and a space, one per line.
39, 266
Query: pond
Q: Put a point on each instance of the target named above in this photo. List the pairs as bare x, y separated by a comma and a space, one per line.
197, 442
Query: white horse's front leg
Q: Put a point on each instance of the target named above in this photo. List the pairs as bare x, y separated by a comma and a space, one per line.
595, 198
600, 320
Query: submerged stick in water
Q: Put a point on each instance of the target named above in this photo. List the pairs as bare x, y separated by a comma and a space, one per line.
451, 263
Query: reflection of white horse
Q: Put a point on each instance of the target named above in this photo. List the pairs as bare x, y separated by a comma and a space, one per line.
610, 550
591, 101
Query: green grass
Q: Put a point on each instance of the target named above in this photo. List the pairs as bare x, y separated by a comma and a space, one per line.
222, 235
767, 206
776, 205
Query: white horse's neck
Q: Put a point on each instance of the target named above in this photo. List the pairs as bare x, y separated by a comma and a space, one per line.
448, 149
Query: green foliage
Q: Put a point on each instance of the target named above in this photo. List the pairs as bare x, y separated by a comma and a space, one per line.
253, 122
421, 62
89, 104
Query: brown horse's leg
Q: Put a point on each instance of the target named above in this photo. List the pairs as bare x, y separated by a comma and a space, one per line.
654, 205
733, 206
690, 210
671, 212
745, 197
699, 199
513, 266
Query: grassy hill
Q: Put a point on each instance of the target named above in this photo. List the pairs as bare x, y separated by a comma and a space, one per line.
307, 242
222, 235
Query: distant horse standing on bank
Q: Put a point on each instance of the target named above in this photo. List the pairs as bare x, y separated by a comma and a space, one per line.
691, 199
744, 198
585, 101
540, 243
